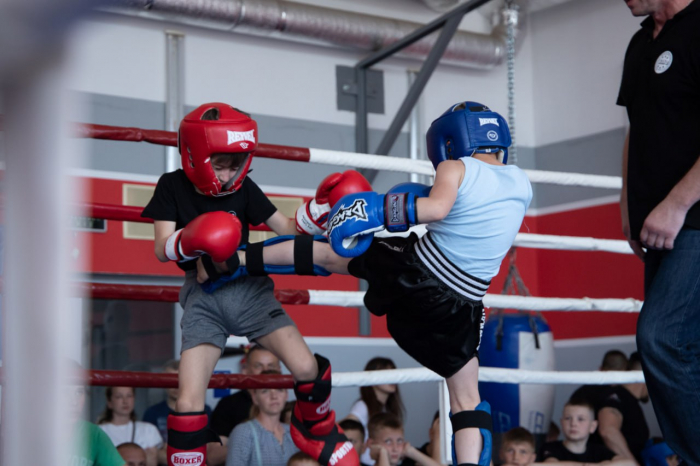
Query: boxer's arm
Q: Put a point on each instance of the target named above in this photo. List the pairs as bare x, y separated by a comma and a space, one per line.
443, 195
282, 225
163, 230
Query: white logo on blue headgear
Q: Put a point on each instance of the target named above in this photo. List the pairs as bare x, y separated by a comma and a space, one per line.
663, 62
488, 121
492, 135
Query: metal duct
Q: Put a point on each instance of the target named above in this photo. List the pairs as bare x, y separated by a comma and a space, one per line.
320, 25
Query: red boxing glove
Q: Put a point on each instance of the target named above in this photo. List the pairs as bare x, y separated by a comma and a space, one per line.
215, 233
312, 216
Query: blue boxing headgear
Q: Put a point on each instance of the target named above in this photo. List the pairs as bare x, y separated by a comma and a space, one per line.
465, 129
656, 454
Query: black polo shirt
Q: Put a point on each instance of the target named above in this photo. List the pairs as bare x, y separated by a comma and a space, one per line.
661, 90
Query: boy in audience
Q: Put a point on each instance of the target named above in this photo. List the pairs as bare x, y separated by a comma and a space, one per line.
355, 432
577, 423
302, 459
432, 448
518, 447
132, 454
387, 444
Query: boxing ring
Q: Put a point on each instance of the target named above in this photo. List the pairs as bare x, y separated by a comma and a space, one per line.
355, 298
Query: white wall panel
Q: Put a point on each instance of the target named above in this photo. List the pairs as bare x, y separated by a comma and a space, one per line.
121, 57
578, 51
125, 57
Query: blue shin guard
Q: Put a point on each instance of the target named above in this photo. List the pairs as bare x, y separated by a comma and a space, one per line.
303, 261
481, 419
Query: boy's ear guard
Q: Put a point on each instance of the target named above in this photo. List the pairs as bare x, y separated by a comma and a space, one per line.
479, 418
255, 267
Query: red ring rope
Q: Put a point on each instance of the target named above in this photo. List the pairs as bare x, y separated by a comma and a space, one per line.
166, 293
169, 138
153, 380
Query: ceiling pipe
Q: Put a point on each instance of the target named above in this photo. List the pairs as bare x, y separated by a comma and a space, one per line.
325, 26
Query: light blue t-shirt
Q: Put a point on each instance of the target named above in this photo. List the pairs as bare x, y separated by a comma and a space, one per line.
487, 214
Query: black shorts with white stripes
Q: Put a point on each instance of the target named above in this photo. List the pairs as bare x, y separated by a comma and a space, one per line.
428, 313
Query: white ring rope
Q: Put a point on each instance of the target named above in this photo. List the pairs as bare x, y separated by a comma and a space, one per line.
531, 240
487, 374
525, 303
424, 167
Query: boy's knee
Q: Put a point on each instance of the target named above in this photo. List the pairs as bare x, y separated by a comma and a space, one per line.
306, 369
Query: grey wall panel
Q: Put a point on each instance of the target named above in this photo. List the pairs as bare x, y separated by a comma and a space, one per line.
599, 154
129, 157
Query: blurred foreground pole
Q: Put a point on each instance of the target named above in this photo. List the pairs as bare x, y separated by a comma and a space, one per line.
35, 334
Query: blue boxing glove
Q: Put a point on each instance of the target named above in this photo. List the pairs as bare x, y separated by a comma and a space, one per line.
420, 190
355, 218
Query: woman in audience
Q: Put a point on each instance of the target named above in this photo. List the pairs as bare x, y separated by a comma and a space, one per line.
118, 420
376, 399
264, 440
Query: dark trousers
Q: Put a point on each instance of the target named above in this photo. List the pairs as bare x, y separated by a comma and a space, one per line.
668, 339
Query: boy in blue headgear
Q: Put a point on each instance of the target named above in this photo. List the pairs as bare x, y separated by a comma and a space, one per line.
431, 288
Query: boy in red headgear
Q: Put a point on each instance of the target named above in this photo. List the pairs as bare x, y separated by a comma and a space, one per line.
201, 214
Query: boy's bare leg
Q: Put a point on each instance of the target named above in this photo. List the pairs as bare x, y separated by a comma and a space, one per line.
464, 396
283, 254
196, 367
287, 344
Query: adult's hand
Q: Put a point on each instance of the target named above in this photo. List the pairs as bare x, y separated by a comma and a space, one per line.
662, 225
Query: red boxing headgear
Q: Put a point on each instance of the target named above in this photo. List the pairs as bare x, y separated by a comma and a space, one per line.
215, 128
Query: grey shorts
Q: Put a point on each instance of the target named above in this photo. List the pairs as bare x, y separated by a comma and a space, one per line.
244, 307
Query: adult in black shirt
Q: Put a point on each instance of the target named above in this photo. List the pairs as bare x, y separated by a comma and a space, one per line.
621, 422
660, 209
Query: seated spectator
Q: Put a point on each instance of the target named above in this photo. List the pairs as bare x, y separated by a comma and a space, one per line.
614, 360
235, 409
377, 399
133, 454
264, 440
578, 423
158, 413
91, 446
517, 447
432, 448
621, 422
118, 420
302, 459
356, 434
387, 444
286, 414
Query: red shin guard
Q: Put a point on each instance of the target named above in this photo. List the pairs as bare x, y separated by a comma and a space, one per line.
313, 426
188, 436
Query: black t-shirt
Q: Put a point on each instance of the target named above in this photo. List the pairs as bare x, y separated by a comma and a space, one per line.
661, 90
593, 454
634, 425
175, 199
231, 411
